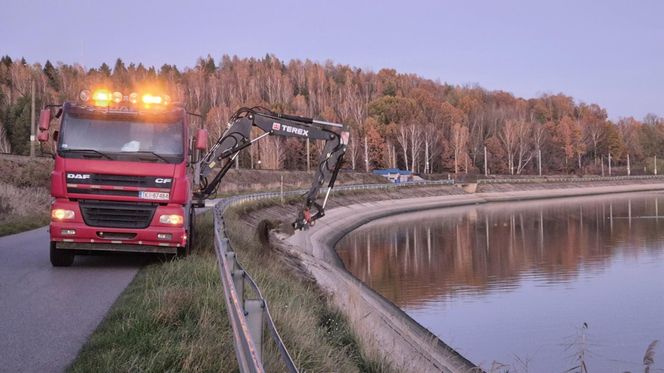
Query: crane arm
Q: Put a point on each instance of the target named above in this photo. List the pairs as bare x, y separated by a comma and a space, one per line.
237, 137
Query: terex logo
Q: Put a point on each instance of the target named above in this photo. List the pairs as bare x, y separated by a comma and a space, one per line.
295, 130
160, 180
78, 176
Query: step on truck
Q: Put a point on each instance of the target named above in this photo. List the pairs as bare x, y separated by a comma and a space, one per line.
129, 171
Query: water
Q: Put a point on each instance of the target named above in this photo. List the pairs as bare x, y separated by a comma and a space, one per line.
531, 285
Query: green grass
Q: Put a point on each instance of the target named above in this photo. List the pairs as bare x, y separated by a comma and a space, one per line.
172, 317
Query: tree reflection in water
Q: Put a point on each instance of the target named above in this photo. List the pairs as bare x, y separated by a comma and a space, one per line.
487, 250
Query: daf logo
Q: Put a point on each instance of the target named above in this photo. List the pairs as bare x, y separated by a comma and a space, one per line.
78, 176
160, 180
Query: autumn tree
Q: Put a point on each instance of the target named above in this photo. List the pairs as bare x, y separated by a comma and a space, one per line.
396, 120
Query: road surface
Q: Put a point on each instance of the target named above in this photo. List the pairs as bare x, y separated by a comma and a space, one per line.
46, 313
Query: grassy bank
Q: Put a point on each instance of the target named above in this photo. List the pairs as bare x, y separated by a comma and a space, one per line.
23, 208
172, 316
25, 200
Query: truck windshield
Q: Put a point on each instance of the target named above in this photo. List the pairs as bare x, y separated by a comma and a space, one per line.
115, 139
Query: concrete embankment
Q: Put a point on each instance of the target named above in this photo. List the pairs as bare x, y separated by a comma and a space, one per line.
383, 327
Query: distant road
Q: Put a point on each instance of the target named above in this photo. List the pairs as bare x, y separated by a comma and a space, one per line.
46, 313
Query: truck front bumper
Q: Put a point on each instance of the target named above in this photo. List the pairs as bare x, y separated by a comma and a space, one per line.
79, 236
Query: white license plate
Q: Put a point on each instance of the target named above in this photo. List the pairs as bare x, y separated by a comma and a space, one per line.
161, 196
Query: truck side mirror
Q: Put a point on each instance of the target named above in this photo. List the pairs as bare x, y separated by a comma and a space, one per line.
42, 136
44, 119
201, 139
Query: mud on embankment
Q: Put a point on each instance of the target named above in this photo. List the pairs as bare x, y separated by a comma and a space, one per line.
383, 328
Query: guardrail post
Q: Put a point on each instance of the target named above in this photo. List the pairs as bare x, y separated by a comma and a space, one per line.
238, 282
254, 312
230, 256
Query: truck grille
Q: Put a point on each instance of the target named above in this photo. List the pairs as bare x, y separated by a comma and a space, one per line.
117, 214
123, 180
105, 192
120, 180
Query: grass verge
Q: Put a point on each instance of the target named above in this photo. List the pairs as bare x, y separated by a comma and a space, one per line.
172, 316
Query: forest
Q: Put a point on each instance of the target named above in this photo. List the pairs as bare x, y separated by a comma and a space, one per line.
396, 120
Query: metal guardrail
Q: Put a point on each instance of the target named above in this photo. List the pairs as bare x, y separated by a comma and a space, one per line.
566, 179
248, 316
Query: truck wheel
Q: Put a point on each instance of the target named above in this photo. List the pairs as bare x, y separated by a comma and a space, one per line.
186, 250
60, 258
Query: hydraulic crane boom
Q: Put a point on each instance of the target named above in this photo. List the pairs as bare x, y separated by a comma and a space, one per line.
237, 137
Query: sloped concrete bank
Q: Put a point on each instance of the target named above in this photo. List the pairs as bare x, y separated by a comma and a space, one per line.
385, 329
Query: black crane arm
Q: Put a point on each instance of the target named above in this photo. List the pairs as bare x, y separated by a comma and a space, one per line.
237, 137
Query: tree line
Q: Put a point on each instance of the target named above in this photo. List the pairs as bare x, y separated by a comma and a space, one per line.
396, 120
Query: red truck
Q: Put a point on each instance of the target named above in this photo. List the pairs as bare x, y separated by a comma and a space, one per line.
127, 178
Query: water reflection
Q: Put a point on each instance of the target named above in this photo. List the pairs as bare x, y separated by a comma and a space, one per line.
432, 264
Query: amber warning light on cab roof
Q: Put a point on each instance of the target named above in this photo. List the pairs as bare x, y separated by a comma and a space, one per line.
105, 98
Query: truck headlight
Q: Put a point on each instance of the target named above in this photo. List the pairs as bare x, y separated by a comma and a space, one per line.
62, 214
171, 219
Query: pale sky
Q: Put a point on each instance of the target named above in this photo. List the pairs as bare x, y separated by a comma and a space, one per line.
605, 52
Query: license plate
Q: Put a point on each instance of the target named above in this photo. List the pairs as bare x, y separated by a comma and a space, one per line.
161, 196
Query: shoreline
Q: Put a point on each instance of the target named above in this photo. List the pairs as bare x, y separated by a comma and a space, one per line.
383, 327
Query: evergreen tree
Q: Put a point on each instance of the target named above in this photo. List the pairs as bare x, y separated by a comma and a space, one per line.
18, 126
6, 60
120, 75
105, 69
52, 75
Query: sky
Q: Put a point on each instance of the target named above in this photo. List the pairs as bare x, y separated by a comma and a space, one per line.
606, 52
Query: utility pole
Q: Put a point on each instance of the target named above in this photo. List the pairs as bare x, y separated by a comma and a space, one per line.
609, 164
629, 170
32, 120
486, 163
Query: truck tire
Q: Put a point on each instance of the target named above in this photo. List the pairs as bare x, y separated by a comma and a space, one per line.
186, 250
60, 258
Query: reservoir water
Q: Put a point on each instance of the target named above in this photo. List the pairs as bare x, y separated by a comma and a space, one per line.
533, 286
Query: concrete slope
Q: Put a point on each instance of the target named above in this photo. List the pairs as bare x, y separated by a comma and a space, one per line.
383, 327
46, 313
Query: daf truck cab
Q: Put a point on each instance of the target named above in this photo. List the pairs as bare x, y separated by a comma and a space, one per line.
121, 180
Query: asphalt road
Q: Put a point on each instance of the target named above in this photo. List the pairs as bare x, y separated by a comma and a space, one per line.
46, 313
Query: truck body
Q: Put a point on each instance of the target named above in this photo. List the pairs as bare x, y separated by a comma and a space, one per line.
126, 175
121, 181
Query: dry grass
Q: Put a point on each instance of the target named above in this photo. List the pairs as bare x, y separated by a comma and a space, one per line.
316, 334
25, 171
248, 181
23, 208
